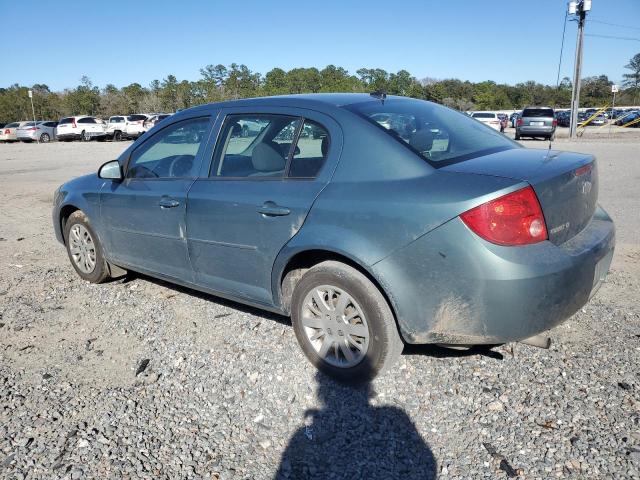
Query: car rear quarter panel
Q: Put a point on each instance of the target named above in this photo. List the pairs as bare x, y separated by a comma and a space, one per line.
381, 198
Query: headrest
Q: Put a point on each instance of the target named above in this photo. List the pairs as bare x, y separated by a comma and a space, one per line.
266, 159
422, 140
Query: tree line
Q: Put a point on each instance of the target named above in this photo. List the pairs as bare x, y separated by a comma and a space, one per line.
220, 82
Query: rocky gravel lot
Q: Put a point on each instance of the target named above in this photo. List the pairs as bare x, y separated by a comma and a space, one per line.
141, 379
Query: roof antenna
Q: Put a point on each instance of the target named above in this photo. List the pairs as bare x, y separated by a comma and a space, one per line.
381, 94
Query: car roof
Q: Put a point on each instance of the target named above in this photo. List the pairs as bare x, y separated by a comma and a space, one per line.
307, 100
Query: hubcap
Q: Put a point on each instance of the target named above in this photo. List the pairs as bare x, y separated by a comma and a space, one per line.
335, 326
82, 248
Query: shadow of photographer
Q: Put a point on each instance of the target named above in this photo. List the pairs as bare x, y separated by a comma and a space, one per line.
350, 438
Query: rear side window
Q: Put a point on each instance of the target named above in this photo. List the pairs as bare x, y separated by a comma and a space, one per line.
255, 146
311, 150
86, 120
537, 112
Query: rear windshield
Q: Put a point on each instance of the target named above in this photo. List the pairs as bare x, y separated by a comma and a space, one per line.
438, 134
12, 125
66, 120
483, 115
136, 118
29, 124
537, 112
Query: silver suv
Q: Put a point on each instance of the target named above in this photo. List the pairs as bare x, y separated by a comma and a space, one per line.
537, 122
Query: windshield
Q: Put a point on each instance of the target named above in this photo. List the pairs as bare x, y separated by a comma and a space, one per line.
440, 135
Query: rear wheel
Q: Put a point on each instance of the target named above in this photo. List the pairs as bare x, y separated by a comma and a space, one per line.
517, 136
117, 136
44, 138
85, 136
84, 249
343, 323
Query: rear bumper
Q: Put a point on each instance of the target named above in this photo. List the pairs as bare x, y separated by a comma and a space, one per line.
452, 287
68, 136
537, 130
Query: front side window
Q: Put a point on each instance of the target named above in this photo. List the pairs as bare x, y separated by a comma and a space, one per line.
255, 146
440, 135
171, 153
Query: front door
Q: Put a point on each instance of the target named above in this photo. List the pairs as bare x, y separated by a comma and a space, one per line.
267, 170
145, 213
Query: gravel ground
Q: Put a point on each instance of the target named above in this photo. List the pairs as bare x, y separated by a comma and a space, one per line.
141, 379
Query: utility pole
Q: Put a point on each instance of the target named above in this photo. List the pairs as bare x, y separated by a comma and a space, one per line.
580, 9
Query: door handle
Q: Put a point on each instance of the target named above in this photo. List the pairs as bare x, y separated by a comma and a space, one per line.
271, 209
167, 202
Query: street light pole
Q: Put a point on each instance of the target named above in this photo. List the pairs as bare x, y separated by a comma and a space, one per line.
579, 8
33, 110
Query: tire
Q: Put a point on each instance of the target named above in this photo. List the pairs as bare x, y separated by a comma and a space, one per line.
517, 136
82, 243
45, 138
117, 136
84, 136
373, 352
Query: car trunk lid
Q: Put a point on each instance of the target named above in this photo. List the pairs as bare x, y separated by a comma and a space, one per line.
565, 183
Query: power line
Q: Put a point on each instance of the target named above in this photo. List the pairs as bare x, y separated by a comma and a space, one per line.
633, 39
564, 29
614, 24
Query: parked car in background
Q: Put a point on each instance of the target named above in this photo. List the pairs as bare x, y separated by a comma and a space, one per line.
81, 127
597, 121
116, 126
428, 229
2, 124
9, 132
42, 131
488, 118
153, 120
536, 122
629, 117
513, 118
134, 125
564, 118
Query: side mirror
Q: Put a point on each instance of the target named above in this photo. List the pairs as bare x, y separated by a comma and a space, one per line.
110, 171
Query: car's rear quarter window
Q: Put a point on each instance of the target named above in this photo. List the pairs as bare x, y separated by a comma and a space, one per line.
440, 135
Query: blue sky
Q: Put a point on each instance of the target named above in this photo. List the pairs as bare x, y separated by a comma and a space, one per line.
121, 42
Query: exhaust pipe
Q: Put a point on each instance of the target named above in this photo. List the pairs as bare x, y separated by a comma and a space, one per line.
540, 341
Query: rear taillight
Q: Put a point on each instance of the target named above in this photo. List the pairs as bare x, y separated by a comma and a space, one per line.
519, 122
74, 124
32, 129
7, 132
514, 219
555, 122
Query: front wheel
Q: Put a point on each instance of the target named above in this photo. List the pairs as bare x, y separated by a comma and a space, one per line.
343, 323
84, 249
117, 136
85, 136
44, 138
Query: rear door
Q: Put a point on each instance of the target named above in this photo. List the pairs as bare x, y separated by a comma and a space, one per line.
144, 215
267, 169
537, 117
